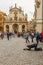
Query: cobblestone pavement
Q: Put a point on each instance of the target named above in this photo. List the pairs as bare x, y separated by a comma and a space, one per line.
12, 53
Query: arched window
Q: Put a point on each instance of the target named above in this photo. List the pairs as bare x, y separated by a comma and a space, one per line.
7, 28
23, 28
15, 28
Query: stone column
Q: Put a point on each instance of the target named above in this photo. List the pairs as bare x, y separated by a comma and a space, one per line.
4, 28
20, 28
10, 28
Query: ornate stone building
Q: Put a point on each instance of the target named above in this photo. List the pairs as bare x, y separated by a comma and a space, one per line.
2, 19
16, 21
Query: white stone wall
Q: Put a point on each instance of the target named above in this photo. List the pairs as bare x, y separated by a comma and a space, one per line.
39, 27
20, 14
10, 28
39, 18
39, 11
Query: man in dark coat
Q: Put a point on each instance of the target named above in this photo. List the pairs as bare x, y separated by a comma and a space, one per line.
8, 35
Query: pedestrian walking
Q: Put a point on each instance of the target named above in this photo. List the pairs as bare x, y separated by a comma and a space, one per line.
2, 35
42, 36
32, 36
27, 37
8, 35
37, 42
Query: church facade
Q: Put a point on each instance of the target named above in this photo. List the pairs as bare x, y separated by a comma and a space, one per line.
15, 21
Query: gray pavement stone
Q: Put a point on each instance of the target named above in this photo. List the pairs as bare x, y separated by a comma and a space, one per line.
12, 53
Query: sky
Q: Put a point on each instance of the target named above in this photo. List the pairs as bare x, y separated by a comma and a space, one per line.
26, 5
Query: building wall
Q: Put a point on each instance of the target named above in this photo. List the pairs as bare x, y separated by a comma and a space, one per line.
2, 21
21, 20
39, 11
39, 18
39, 27
11, 27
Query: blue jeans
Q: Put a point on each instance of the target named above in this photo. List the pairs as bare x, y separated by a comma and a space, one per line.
36, 46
